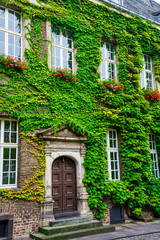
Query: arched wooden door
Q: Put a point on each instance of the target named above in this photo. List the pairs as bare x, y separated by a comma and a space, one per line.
64, 185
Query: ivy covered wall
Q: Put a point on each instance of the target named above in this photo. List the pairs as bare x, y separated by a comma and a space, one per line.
40, 100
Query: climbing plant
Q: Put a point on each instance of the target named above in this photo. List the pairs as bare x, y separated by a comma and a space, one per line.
39, 100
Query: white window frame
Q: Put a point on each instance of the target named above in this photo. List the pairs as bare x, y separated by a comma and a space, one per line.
113, 150
119, 2
61, 47
106, 60
144, 80
7, 145
153, 151
7, 31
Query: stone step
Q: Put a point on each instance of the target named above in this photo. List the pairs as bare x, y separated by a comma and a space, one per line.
73, 234
70, 228
69, 221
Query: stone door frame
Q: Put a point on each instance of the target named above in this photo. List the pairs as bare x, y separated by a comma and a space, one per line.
64, 143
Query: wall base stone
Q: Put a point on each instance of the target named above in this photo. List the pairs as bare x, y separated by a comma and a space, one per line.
26, 216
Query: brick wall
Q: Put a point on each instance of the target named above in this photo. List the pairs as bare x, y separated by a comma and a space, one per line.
26, 216
26, 162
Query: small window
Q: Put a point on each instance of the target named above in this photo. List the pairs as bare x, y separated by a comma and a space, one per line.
154, 156
120, 2
10, 32
147, 73
8, 152
108, 64
113, 158
62, 48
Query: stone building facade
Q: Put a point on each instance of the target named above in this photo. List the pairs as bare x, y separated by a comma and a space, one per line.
65, 150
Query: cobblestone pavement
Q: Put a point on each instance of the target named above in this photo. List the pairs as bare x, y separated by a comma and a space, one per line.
155, 236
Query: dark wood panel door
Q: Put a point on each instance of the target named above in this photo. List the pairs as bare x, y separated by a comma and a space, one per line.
64, 185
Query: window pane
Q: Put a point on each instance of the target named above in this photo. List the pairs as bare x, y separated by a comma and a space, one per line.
17, 23
117, 175
110, 134
12, 178
5, 166
2, 47
2, 18
11, 25
110, 143
13, 153
11, 50
13, 166
56, 35
6, 153
5, 178
13, 126
6, 137
112, 165
7, 125
11, 39
113, 176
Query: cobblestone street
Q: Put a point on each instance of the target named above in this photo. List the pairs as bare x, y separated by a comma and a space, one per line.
155, 236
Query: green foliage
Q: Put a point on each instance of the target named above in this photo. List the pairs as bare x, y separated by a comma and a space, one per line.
40, 100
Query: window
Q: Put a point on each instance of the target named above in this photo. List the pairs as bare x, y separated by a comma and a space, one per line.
10, 32
8, 152
108, 66
62, 48
147, 74
120, 2
113, 159
154, 157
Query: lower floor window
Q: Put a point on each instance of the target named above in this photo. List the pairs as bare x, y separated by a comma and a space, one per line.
9, 166
113, 158
154, 157
8, 152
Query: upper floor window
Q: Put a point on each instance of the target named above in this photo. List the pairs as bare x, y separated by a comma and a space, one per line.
120, 2
10, 32
147, 73
112, 151
108, 64
62, 48
8, 152
154, 156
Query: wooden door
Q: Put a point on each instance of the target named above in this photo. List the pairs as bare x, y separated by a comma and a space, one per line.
64, 185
